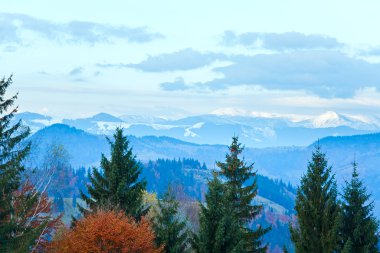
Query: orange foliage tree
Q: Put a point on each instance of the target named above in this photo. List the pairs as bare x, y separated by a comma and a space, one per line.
33, 217
107, 231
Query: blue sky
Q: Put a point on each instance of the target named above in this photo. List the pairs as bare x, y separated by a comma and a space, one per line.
179, 58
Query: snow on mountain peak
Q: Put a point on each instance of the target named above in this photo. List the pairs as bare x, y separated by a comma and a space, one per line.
328, 119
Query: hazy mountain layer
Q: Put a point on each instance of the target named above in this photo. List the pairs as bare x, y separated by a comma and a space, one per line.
254, 131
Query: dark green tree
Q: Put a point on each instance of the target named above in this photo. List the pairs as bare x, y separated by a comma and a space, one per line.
12, 153
359, 226
170, 230
241, 189
225, 218
218, 227
117, 184
317, 208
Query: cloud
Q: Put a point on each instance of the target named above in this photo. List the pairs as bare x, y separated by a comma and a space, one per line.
185, 59
280, 41
76, 71
111, 65
177, 85
374, 51
322, 72
12, 27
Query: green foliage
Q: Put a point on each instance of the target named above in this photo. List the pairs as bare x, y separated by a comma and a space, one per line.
117, 184
218, 226
170, 230
12, 153
359, 226
317, 209
225, 220
237, 174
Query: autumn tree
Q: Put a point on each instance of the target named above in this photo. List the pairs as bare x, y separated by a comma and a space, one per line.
107, 231
56, 166
359, 225
34, 217
118, 183
317, 207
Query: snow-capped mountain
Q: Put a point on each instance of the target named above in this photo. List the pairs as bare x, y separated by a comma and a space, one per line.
101, 123
332, 119
254, 131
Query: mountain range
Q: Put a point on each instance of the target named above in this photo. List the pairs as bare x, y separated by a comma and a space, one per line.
254, 131
285, 163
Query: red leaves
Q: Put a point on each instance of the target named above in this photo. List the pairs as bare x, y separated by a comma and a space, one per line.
107, 232
33, 211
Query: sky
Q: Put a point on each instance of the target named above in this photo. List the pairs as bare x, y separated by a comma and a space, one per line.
180, 58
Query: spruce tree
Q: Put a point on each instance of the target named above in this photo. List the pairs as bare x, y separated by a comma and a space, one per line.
170, 230
359, 226
218, 227
225, 217
241, 188
317, 208
117, 184
12, 153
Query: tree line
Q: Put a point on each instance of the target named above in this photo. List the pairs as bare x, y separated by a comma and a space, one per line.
116, 216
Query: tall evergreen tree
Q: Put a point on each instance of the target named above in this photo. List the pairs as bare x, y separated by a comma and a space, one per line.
240, 180
224, 220
12, 153
317, 208
218, 227
359, 226
117, 184
170, 230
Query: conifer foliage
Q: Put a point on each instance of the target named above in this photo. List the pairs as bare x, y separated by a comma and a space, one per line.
12, 153
26, 221
117, 185
170, 230
219, 231
359, 226
317, 208
225, 220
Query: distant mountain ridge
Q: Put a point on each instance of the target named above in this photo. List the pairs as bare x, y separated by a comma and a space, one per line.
286, 163
254, 131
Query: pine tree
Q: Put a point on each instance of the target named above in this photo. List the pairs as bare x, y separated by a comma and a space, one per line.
12, 153
359, 226
117, 184
240, 180
317, 209
219, 231
224, 220
169, 229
